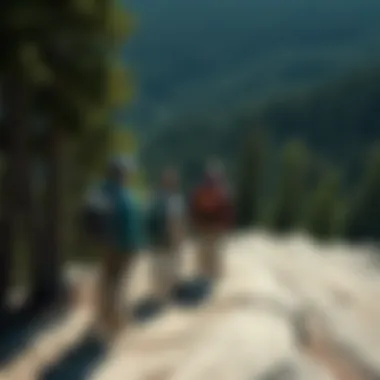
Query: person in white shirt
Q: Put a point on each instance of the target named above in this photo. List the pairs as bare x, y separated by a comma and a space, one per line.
167, 229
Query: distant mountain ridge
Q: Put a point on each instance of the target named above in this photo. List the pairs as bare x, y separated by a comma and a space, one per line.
199, 56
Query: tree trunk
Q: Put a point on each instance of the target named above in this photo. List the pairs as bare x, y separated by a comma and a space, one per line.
34, 233
54, 216
6, 235
15, 102
49, 285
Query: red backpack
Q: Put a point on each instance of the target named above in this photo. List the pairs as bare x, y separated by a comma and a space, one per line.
211, 205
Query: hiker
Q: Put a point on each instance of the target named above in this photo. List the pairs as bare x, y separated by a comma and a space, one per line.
112, 219
212, 215
166, 225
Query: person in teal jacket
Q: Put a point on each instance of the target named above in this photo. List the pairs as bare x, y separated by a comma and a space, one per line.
122, 238
124, 229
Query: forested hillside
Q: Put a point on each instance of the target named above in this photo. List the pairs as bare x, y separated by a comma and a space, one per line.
338, 120
211, 73
203, 58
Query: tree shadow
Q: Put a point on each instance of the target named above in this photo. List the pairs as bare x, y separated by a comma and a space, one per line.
18, 328
79, 362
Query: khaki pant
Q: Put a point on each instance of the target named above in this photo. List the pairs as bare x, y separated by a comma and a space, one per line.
209, 260
114, 266
165, 268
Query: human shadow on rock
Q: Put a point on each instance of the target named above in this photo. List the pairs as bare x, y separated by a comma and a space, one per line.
18, 329
79, 362
186, 294
147, 309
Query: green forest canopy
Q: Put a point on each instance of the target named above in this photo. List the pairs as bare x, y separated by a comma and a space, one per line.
338, 120
201, 57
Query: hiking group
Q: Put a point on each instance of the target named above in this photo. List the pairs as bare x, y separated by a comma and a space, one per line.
121, 227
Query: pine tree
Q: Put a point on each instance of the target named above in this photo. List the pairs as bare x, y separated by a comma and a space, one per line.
324, 210
364, 216
64, 54
249, 180
292, 187
92, 124
14, 129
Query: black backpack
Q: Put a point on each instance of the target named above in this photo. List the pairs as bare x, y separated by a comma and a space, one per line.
97, 213
157, 220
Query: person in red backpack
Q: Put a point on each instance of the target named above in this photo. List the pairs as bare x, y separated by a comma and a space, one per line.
212, 214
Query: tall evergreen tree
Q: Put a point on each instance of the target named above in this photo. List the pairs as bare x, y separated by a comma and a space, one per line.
249, 179
66, 54
324, 209
364, 216
14, 133
292, 187
91, 42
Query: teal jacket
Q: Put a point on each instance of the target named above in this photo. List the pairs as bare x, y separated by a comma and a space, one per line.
126, 227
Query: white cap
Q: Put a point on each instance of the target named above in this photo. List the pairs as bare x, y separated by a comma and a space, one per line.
123, 163
215, 168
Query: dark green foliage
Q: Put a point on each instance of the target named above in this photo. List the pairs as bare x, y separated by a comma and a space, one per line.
62, 82
291, 187
249, 182
324, 207
241, 52
310, 195
338, 120
364, 218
